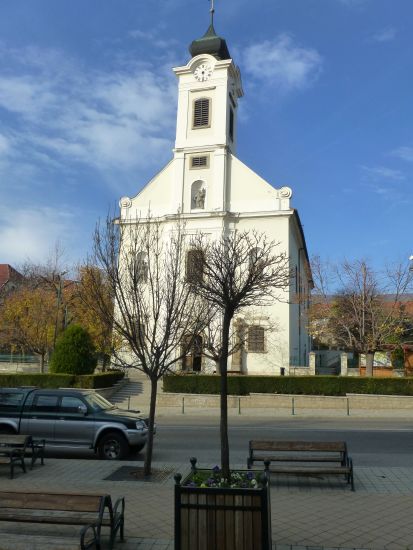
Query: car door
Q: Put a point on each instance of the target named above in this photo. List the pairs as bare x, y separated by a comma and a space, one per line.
75, 424
39, 418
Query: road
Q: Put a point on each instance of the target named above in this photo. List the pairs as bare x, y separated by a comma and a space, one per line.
372, 442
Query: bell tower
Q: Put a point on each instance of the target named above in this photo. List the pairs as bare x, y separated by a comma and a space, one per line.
209, 87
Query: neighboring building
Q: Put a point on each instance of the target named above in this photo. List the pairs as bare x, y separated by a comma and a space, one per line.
9, 278
214, 192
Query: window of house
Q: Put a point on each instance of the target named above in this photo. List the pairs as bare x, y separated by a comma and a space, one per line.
192, 350
231, 124
256, 339
142, 267
194, 266
202, 108
200, 162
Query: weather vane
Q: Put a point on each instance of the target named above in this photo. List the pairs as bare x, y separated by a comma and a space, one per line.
212, 11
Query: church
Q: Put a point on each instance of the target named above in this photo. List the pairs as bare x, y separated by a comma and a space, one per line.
215, 192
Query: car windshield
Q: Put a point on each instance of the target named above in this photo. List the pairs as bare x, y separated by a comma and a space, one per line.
98, 403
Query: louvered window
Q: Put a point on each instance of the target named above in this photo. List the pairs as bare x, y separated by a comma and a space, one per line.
231, 124
194, 266
199, 162
201, 112
256, 339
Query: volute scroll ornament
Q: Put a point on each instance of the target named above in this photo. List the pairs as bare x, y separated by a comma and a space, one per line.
125, 202
286, 193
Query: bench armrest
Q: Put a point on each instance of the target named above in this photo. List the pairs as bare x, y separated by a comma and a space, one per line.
89, 537
119, 509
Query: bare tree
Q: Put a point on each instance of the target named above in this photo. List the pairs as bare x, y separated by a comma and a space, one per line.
367, 311
152, 308
238, 270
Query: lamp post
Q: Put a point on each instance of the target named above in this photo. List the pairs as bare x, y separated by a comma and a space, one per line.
58, 304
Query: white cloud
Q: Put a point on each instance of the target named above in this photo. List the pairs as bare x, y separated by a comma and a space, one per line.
383, 173
31, 229
5, 145
385, 35
353, 3
106, 120
153, 37
404, 153
283, 64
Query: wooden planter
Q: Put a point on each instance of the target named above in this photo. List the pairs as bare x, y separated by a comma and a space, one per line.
222, 518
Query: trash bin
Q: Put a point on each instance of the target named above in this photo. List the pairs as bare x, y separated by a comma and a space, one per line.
282, 371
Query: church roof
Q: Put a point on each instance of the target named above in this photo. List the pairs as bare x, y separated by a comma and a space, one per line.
210, 43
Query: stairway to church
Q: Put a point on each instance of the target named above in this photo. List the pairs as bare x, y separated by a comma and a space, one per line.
135, 394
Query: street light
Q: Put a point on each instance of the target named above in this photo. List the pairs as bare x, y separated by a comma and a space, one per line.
58, 304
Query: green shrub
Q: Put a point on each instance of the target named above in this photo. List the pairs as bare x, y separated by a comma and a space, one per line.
39, 380
74, 352
54, 381
397, 358
95, 381
304, 385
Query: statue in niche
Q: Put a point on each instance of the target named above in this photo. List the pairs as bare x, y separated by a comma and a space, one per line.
200, 198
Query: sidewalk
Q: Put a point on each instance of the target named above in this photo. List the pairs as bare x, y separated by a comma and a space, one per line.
309, 513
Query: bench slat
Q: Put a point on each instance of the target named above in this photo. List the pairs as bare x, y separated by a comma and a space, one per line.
11, 541
51, 516
295, 458
302, 470
325, 446
51, 501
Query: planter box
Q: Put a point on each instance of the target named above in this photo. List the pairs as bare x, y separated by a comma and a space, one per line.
222, 518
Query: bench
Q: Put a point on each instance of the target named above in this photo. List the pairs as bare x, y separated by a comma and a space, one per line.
24, 442
309, 458
12, 451
91, 511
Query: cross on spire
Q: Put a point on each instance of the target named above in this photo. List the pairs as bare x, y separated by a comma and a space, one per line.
212, 11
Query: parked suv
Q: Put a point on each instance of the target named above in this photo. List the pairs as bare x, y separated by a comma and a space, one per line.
73, 418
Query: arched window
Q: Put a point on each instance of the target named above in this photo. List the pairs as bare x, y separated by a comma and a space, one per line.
255, 261
202, 112
198, 195
256, 339
142, 267
194, 266
192, 347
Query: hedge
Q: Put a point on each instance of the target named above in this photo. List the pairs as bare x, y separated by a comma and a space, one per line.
304, 385
90, 381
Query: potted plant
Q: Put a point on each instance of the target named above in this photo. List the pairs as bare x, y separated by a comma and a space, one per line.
224, 509
212, 512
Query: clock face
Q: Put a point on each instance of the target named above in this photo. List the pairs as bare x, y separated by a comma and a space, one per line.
203, 72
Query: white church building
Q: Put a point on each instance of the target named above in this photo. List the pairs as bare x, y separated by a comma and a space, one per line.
215, 193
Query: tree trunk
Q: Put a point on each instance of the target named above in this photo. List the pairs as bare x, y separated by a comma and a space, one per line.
42, 363
149, 444
224, 392
369, 363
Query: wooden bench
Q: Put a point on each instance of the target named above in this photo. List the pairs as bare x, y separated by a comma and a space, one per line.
91, 511
26, 443
13, 450
309, 458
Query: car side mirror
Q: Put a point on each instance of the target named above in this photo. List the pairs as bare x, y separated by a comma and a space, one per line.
82, 409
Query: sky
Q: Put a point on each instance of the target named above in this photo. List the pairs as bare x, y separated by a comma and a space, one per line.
88, 114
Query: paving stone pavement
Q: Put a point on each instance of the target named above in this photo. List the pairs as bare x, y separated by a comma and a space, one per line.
307, 513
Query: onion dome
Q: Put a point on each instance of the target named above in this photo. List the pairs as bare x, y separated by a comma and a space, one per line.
210, 43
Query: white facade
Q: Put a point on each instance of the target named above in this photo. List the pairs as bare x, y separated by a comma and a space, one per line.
216, 192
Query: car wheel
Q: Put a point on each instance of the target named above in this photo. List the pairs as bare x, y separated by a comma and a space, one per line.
7, 430
112, 446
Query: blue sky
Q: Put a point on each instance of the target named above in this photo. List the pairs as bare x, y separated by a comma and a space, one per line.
88, 105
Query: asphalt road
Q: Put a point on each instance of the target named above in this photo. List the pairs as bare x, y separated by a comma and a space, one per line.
378, 442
